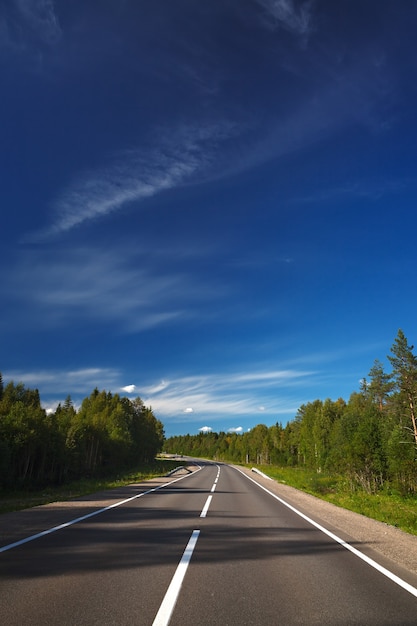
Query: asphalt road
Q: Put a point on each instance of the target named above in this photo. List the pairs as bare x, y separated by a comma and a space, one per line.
211, 547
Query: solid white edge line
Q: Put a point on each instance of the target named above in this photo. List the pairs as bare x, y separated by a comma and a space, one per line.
84, 517
206, 507
170, 599
396, 579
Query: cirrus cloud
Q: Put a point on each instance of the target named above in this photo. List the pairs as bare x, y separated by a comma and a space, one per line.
285, 14
134, 175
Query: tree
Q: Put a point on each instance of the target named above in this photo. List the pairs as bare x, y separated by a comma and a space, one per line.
147, 432
357, 445
404, 364
380, 386
24, 435
259, 444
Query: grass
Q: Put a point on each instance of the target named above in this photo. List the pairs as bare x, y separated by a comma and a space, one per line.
390, 508
16, 500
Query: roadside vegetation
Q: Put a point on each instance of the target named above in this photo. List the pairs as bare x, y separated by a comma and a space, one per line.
73, 449
360, 454
385, 506
16, 500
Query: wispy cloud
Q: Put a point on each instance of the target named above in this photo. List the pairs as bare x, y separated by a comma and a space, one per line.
285, 14
25, 24
134, 175
58, 382
253, 395
218, 396
134, 289
41, 18
55, 385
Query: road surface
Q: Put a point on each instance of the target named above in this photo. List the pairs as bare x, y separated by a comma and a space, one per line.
201, 548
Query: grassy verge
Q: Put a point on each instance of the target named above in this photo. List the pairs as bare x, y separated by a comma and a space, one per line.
20, 499
385, 507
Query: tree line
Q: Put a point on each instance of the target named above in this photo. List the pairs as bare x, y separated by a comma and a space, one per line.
107, 433
371, 439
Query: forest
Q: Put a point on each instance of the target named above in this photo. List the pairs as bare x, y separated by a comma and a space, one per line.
371, 439
106, 434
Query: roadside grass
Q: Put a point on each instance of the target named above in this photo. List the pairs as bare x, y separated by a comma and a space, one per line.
390, 508
16, 500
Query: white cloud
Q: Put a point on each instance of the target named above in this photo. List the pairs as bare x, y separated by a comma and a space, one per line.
284, 13
237, 430
129, 388
157, 388
133, 176
214, 397
56, 382
62, 287
205, 429
228, 394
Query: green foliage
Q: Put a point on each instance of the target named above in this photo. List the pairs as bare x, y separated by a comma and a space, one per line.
15, 500
386, 506
107, 433
371, 440
404, 364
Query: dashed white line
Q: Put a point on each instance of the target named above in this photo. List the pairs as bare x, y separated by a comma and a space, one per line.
206, 507
168, 603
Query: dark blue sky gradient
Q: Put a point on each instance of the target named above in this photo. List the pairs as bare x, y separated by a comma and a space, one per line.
210, 205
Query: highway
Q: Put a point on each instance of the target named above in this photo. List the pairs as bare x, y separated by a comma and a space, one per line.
209, 547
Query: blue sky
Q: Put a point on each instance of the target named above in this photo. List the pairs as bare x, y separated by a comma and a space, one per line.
211, 205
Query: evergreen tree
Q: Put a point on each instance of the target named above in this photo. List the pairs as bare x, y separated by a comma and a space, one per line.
404, 364
380, 385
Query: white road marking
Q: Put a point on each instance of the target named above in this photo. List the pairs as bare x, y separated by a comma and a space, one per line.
84, 517
168, 603
396, 579
214, 487
206, 507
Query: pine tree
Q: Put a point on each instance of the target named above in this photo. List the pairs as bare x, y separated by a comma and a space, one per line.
380, 385
404, 364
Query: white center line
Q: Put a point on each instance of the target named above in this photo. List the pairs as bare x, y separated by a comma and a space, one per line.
206, 506
168, 603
